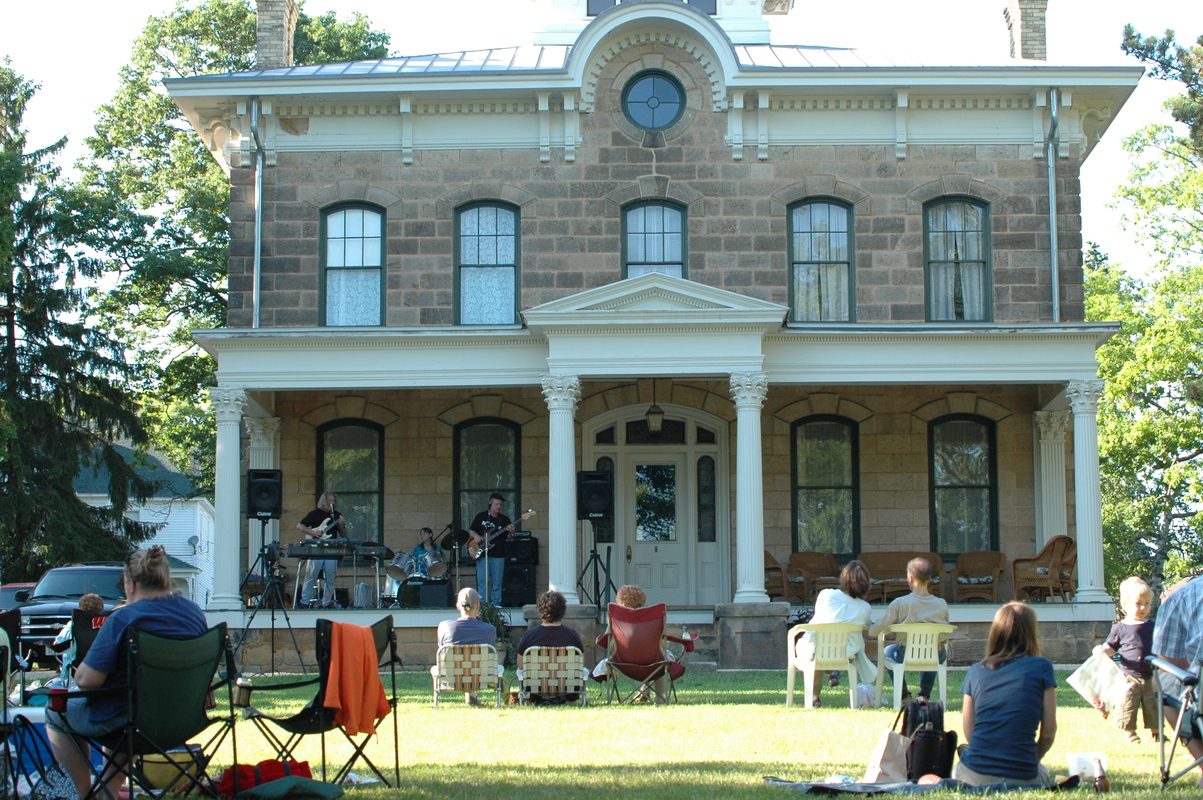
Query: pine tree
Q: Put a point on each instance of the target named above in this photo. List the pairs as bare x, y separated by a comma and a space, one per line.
60, 405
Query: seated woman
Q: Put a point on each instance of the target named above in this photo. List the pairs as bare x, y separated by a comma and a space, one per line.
551, 632
1010, 709
152, 607
845, 604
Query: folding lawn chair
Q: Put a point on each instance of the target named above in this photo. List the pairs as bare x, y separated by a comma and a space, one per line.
316, 718
553, 672
639, 653
1190, 716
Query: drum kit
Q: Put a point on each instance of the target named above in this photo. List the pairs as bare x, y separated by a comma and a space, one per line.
431, 567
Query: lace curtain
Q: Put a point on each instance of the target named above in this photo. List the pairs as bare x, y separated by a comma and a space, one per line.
822, 262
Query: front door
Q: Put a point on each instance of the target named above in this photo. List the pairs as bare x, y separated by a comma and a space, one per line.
656, 527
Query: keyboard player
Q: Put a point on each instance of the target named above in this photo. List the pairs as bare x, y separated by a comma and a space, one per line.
322, 523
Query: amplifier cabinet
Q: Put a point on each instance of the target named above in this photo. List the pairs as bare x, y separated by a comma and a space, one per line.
522, 550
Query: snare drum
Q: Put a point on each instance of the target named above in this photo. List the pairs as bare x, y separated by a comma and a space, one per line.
401, 567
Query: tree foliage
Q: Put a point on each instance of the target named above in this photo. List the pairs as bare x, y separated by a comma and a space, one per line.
1170, 60
61, 405
158, 206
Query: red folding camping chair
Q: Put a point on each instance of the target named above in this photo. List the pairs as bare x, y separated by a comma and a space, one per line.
639, 653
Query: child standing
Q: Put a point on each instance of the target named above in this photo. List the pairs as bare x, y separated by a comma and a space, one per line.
1132, 638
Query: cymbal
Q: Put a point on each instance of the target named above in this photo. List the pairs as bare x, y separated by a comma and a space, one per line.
455, 539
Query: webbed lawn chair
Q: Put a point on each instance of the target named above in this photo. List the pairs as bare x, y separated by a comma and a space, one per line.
1189, 705
170, 686
467, 668
553, 672
830, 652
353, 716
639, 652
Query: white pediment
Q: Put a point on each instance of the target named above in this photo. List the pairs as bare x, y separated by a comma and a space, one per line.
655, 299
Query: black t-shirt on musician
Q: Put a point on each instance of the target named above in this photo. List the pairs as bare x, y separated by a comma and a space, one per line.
486, 526
317, 516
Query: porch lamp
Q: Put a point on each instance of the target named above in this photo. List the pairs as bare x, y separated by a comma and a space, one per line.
655, 414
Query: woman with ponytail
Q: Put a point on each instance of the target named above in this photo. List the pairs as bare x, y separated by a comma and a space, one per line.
151, 606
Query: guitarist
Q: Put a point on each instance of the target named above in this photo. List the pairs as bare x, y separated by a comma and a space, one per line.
489, 530
323, 522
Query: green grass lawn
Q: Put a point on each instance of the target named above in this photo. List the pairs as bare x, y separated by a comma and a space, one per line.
728, 731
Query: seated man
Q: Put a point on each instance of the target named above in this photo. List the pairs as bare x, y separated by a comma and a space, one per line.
551, 632
466, 629
1178, 638
918, 606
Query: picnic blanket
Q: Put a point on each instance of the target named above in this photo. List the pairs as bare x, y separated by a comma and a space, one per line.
946, 784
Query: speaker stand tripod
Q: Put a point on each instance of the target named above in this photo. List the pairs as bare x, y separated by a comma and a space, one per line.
599, 569
272, 594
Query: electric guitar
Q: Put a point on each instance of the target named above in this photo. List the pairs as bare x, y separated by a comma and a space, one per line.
476, 549
326, 527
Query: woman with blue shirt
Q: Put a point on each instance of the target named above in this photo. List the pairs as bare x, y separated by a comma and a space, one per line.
1010, 706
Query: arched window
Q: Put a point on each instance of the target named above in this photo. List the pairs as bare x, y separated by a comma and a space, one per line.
957, 252
826, 479
822, 277
486, 257
653, 239
350, 458
487, 457
964, 485
352, 266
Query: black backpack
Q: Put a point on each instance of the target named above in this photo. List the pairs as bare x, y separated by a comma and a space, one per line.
932, 748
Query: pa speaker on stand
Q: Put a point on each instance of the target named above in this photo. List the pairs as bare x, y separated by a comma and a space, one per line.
594, 495
264, 493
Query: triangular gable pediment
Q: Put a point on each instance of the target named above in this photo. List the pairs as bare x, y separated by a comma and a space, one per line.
654, 298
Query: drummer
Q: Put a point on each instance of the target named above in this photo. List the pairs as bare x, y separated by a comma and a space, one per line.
426, 554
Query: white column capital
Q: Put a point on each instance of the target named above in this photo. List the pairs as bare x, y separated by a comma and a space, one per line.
748, 389
262, 431
228, 402
561, 391
1051, 424
1084, 395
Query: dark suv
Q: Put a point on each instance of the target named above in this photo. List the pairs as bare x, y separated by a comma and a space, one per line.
46, 609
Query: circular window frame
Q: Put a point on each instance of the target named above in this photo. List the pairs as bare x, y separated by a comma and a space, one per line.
672, 81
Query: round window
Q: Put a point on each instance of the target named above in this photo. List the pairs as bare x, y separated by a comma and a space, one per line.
653, 100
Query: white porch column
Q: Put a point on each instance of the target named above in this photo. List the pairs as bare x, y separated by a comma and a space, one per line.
263, 435
1083, 399
228, 402
562, 393
1050, 429
748, 391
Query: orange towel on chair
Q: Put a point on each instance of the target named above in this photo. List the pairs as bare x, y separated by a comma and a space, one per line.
353, 686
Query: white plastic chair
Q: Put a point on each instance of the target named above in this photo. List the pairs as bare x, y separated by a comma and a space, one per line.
830, 652
922, 640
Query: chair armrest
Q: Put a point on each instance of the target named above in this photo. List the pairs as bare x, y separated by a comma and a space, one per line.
603, 640
281, 686
1187, 678
688, 642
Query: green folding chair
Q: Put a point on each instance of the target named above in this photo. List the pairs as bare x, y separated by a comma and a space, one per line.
314, 718
171, 683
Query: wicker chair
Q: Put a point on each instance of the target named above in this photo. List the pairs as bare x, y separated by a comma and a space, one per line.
776, 580
812, 566
1049, 573
977, 576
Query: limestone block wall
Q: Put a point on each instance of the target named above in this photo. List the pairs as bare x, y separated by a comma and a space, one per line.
570, 222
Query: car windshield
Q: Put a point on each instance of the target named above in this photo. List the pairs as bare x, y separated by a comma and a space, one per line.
80, 581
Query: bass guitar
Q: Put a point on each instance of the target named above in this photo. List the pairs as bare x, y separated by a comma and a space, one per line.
476, 549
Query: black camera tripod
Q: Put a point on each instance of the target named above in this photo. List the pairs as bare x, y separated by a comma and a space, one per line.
272, 596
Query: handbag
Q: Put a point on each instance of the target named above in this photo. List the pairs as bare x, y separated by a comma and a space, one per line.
932, 747
887, 763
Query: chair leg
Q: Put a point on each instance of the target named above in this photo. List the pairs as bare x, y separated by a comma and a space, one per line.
808, 684
899, 677
852, 681
791, 677
942, 675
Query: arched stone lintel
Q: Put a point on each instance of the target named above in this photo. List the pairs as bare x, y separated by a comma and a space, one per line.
486, 405
484, 189
816, 186
962, 403
350, 407
352, 190
823, 403
655, 187
953, 184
